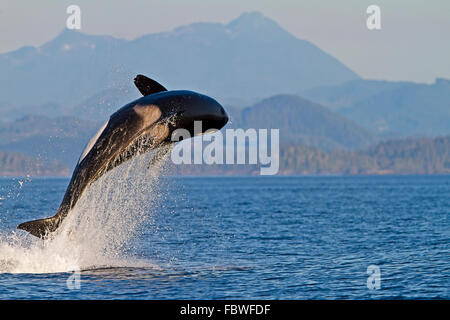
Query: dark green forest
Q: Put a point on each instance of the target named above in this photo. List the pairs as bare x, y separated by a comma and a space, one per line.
403, 156
406, 156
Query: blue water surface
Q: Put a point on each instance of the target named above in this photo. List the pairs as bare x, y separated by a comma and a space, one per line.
261, 238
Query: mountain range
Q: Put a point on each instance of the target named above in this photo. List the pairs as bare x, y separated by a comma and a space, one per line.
302, 121
390, 108
54, 97
249, 58
49, 139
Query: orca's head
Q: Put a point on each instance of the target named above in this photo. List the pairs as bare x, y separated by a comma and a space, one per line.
177, 109
187, 109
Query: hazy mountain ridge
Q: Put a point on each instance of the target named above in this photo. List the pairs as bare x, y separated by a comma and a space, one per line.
415, 109
346, 94
302, 121
61, 139
250, 57
391, 108
56, 96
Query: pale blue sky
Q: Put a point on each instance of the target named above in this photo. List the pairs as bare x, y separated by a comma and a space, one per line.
413, 44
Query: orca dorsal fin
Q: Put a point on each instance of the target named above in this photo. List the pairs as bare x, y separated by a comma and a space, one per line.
147, 86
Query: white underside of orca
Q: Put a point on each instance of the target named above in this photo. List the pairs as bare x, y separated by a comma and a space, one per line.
92, 142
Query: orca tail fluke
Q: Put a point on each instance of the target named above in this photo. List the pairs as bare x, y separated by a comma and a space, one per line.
41, 228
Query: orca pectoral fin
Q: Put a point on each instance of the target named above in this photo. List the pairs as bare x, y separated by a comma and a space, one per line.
147, 86
42, 227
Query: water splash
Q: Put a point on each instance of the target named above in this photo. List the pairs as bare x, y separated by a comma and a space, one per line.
97, 232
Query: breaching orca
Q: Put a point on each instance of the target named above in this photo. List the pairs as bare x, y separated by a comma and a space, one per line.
137, 127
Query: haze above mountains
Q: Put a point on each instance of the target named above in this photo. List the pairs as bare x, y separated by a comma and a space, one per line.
52, 98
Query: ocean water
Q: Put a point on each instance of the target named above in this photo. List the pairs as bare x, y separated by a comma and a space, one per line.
141, 235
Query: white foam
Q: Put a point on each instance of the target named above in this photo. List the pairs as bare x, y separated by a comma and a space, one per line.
97, 231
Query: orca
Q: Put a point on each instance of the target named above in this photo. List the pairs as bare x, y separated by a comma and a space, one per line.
142, 125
